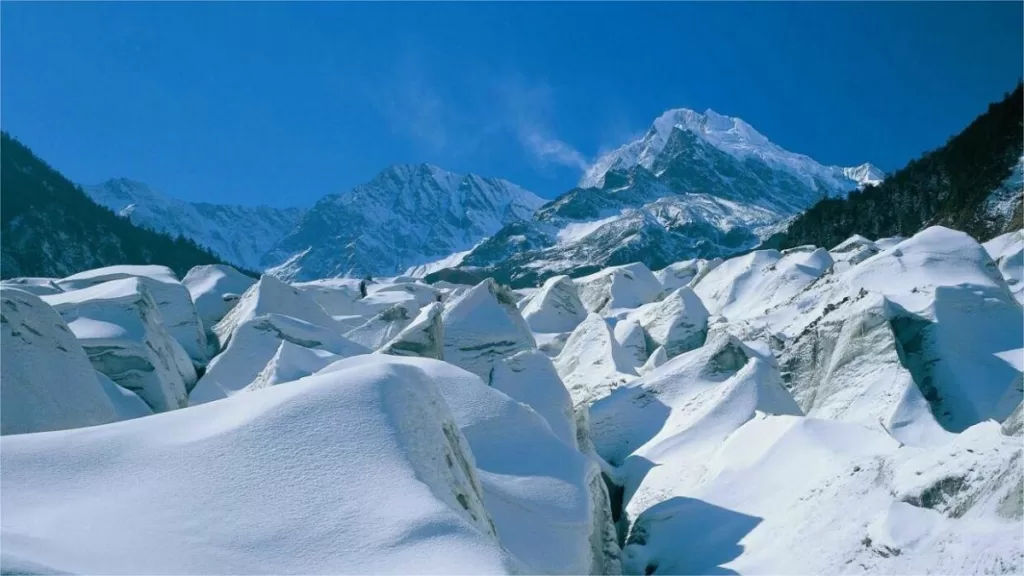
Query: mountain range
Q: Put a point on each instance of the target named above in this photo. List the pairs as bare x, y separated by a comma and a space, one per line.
695, 185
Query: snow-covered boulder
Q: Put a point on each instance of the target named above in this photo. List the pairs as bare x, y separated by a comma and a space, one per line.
555, 307
530, 377
423, 337
172, 298
853, 251
630, 335
215, 289
611, 289
122, 331
384, 326
482, 327
547, 500
37, 286
592, 363
679, 322
271, 296
47, 381
255, 348
1008, 252
360, 470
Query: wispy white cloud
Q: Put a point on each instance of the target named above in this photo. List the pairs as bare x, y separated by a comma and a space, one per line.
528, 108
473, 116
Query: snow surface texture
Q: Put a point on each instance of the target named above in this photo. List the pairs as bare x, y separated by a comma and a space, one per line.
238, 234
386, 483
120, 327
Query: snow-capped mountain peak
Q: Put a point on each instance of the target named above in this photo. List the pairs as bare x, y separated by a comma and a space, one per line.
732, 136
407, 215
865, 174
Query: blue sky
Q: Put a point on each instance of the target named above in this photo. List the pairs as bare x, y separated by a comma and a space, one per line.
281, 103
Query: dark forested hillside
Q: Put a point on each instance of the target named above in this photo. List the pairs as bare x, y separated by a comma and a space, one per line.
49, 227
959, 185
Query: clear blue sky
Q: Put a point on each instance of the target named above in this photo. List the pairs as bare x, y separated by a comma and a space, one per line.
281, 103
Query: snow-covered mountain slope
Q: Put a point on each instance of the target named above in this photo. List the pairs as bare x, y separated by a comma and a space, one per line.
406, 216
695, 186
241, 235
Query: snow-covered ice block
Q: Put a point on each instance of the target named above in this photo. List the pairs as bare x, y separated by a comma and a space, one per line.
627, 286
255, 346
423, 337
271, 296
592, 363
483, 326
384, 326
361, 470
121, 328
1008, 252
548, 501
554, 307
215, 289
37, 286
530, 377
678, 322
172, 298
47, 381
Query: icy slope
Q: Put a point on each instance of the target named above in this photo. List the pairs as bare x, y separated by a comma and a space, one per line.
386, 483
238, 234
